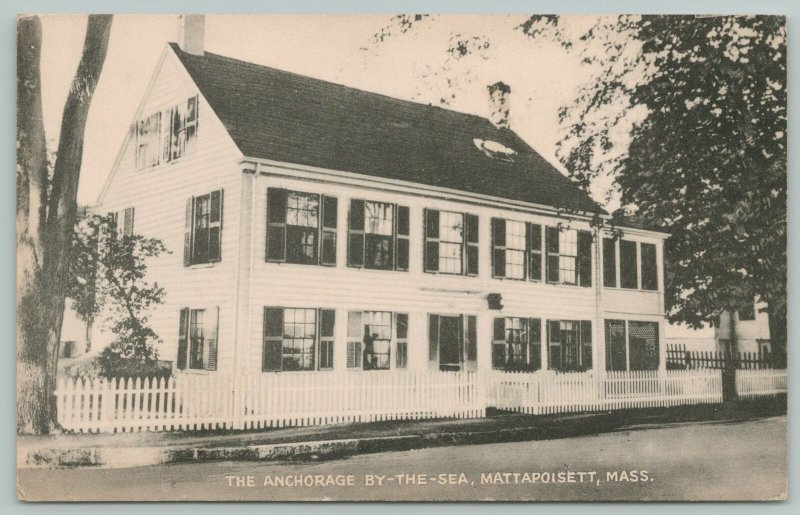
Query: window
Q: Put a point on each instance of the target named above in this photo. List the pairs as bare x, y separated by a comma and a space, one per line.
747, 312
402, 340
570, 345
148, 137
639, 351
121, 222
295, 224
609, 262
377, 236
452, 342
649, 270
297, 339
569, 256
180, 136
197, 338
627, 264
517, 344
513, 246
203, 229
447, 242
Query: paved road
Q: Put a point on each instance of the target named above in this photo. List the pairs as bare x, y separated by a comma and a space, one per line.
708, 461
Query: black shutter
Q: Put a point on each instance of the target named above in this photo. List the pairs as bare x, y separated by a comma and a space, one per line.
401, 235
183, 330
128, 222
609, 262
535, 342
472, 244
276, 224
330, 209
554, 337
273, 339
471, 338
535, 252
215, 226
499, 343
551, 237
211, 334
584, 258
498, 247
431, 240
355, 234
167, 128
433, 338
187, 234
586, 344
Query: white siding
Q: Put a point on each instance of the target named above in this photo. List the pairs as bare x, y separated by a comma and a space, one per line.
159, 197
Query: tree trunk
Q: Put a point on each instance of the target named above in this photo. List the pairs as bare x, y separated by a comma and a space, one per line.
45, 222
729, 373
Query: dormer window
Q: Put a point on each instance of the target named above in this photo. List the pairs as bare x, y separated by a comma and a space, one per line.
494, 149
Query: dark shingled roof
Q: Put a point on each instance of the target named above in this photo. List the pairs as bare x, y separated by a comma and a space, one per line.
282, 116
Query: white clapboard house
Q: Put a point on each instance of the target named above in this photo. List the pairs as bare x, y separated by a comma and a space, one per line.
317, 227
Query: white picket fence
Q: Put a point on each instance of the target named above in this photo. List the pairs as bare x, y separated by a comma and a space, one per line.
191, 402
761, 382
547, 392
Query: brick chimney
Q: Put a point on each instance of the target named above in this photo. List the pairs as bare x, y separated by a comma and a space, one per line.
499, 93
191, 33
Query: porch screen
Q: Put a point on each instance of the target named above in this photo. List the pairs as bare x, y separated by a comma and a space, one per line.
643, 343
615, 345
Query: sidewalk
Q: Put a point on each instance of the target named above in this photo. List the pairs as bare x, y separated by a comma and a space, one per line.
337, 441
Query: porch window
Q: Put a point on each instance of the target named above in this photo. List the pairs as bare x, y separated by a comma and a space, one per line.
296, 222
649, 270
609, 262
148, 137
517, 344
378, 236
570, 345
627, 264
449, 237
180, 136
197, 338
203, 229
631, 345
569, 256
297, 339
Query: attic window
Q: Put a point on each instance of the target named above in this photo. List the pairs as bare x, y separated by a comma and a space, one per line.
494, 149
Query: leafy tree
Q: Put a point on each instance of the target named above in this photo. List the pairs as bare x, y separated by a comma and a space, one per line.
46, 213
84, 263
111, 272
687, 116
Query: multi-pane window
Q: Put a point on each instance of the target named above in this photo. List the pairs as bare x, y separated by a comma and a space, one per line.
517, 344
378, 235
638, 261
452, 342
451, 242
631, 345
121, 222
510, 246
297, 339
180, 136
377, 339
369, 339
296, 222
148, 138
570, 345
197, 338
203, 229
569, 256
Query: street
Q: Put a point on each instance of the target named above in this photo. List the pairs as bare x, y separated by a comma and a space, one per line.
697, 461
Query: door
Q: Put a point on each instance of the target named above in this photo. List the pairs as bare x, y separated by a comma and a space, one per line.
451, 353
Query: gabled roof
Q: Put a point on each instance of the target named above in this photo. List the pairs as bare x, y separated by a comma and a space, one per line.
281, 116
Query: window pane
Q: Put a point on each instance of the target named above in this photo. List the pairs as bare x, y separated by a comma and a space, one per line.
379, 218
615, 345
649, 270
377, 339
568, 250
378, 252
609, 263
643, 343
301, 245
302, 209
627, 264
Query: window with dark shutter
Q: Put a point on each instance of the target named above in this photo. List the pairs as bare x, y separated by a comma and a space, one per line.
183, 328
355, 237
273, 339
402, 234
609, 262
276, 224
180, 134
472, 239
627, 264
552, 244
649, 270
302, 228
498, 247
329, 222
535, 252
202, 240
379, 227
431, 240
584, 258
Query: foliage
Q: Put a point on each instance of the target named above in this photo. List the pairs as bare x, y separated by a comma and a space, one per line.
118, 265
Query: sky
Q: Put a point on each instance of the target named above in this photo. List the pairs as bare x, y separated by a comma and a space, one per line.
338, 48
